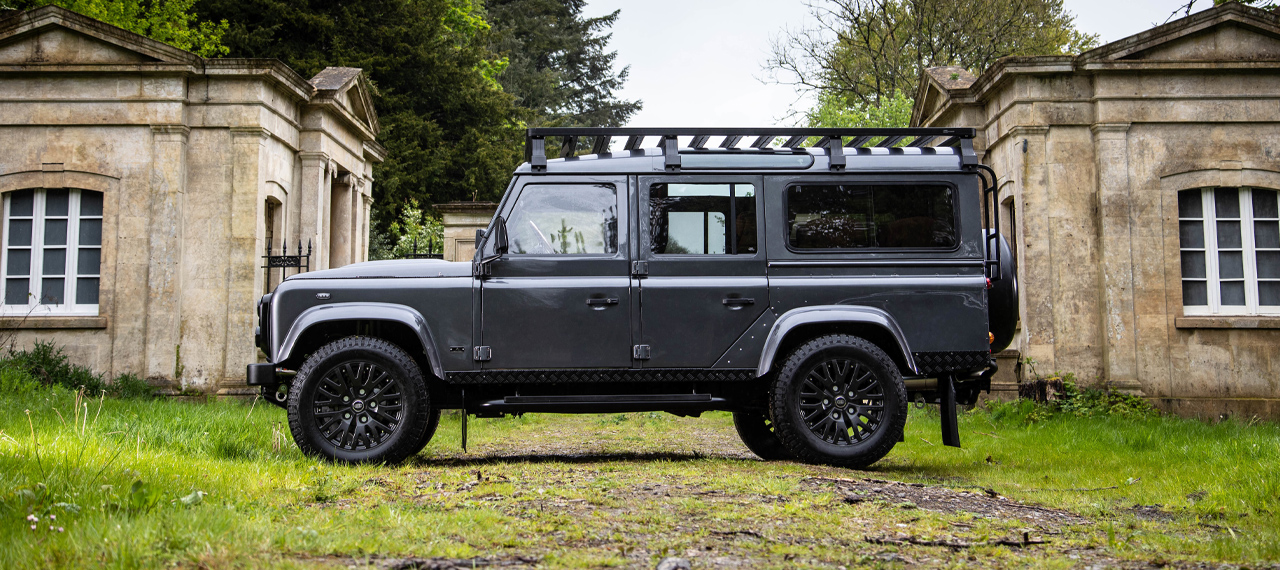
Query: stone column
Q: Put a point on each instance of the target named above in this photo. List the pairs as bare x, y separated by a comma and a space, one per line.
313, 192
341, 214
1036, 273
1115, 250
244, 279
461, 220
366, 208
164, 269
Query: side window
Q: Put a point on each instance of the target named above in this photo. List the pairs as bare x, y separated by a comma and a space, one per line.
850, 216
52, 251
702, 219
564, 219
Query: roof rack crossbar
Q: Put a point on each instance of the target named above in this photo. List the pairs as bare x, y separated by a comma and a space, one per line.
828, 140
730, 141
601, 145
568, 146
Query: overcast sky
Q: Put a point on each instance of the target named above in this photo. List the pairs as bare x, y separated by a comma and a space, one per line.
698, 62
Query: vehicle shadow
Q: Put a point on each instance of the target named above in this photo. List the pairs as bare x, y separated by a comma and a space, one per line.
575, 458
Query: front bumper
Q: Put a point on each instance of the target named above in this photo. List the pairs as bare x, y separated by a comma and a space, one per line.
261, 374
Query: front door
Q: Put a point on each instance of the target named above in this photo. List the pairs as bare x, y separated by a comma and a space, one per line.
706, 282
560, 298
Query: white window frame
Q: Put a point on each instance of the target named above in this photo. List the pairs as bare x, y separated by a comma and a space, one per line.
70, 275
1248, 249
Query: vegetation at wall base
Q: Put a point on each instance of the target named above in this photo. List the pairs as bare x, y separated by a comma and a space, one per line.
47, 364
158, 483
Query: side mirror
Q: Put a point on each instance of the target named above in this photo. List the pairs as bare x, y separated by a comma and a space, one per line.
479, 237
500, 244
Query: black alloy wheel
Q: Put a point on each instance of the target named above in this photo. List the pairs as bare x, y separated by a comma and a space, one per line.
839, 400
756, 430
361, 400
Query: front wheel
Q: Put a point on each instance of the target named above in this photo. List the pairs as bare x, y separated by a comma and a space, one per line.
839, 400
361, 400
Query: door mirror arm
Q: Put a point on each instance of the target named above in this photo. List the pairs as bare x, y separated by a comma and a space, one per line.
482, 267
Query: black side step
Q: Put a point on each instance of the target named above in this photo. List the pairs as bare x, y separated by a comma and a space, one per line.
603, 403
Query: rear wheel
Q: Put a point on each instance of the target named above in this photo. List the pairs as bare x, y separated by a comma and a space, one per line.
756, 430
361, 400
839, 400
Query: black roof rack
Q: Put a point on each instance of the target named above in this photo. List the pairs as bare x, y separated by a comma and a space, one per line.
831, 140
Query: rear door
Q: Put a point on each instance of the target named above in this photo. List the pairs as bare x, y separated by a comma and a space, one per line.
702, 247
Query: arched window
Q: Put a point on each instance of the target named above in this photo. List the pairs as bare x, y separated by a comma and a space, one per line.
52, 252
1230, 242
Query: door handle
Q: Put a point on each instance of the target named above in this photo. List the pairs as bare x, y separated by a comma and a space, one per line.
601, 302
738, 302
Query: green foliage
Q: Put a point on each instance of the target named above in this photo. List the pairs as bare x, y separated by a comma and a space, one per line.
46, 363
560, 68
450, 133
414, 228
834, 110
1084, 401
170, 21
869, 50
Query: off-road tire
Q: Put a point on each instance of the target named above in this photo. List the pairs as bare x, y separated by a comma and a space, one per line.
417, 421
797, 436
756, 430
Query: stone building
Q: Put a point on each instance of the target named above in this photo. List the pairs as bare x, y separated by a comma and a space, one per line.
1139, 182
142, 185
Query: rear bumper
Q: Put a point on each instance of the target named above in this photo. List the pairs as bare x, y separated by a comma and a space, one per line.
261, 374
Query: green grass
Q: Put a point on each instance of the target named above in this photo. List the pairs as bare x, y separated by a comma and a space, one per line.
149, 483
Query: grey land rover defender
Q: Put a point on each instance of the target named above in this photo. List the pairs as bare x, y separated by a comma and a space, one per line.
810, 281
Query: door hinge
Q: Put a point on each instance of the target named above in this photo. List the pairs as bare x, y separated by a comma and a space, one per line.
639, 268
640, 352
482, 353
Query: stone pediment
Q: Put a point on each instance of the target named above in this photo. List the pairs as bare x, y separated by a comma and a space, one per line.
1228, 33
347, 87
51, 35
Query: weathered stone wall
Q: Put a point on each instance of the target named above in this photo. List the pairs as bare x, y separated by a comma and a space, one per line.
187, 154
1091, 152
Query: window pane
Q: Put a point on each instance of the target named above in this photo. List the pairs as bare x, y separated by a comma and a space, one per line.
1266, 234
1229, 235
19, 232
55, 202
688, 218
19, 262
1230, 264
90, 232
1192, 234
87, 291
51, 291
89, 261
90, 203
1190, 204
1227, 202
1233, 293
843, 217
745, 205
1264, 203
55, 262
55, 232
1195, 293
22, 202
1269, 293
1269, 264
568, 219
15, 291
1193, 264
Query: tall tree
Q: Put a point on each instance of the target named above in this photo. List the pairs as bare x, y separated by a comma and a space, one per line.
865, 51
560, 66
169, 21
450, 132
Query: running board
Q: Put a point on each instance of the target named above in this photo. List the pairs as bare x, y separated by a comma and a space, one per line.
605, 403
